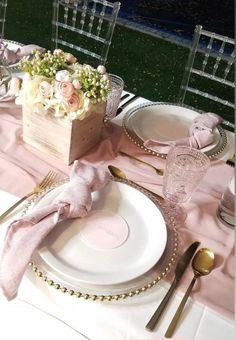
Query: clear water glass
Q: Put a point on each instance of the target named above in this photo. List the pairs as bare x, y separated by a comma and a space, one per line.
113, 100
185, 168
226, 208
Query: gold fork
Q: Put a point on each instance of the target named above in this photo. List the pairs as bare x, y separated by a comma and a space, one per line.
159, 172
47, 181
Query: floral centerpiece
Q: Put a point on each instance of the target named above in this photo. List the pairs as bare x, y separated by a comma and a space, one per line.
58, 91
56, 83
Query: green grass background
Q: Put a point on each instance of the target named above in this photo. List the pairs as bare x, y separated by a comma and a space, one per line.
150, 66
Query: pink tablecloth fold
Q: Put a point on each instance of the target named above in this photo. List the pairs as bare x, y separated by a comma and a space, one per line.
200, 134
19, 160
25, 235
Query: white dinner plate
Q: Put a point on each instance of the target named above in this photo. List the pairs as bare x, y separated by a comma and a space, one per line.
166, 122
122, 238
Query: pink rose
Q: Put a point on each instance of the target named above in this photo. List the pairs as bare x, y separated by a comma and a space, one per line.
73, 103
45, 89
101, 69
65, 89
57, 51
70, 58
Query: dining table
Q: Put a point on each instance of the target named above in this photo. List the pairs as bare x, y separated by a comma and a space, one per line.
51, 307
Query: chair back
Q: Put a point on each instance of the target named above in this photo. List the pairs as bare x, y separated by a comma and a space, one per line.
84, 28
3, 7
209, 73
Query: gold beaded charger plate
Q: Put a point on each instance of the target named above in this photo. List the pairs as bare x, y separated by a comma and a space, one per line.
123, 270
166, 122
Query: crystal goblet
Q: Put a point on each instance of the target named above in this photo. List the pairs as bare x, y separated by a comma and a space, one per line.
185, 168
113, 100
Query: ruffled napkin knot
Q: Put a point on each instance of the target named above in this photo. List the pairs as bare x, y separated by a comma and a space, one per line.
10, 56
25, 234
200, 134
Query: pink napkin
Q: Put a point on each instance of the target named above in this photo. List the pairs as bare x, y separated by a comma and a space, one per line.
25, 235
13, 56
201, 134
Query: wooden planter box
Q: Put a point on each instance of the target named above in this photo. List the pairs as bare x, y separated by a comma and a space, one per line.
61, 138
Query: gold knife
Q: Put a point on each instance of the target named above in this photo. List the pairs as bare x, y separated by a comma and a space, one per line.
179, 271
158, 171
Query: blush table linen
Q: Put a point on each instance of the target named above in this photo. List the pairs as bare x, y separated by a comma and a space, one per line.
21, 167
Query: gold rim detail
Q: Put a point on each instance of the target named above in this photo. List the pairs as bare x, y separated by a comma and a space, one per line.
139, 142
172, 226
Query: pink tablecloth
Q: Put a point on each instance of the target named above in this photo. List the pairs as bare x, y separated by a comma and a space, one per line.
21, 167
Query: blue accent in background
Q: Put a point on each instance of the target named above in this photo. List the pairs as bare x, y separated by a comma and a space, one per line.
179, 17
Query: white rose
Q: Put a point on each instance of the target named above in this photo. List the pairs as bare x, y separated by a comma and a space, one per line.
63, 75
77, 84
101, 69
57, 51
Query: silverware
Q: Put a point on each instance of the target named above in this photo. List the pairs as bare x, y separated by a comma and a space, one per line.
231, 161
124, 97
159, 172
179, 271
47, 181
202, 264
125, 104
118, 173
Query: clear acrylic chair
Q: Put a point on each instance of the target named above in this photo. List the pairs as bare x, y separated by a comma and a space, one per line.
3, 7
84, 27
208, 80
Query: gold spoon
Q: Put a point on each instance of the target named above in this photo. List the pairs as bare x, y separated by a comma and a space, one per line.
118, 173
202, 264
